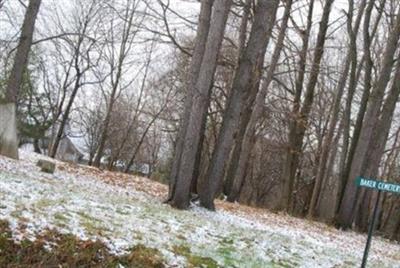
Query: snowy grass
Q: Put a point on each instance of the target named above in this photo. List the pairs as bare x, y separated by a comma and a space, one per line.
76, 200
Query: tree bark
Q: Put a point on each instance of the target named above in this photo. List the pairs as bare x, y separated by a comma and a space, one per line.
180, 198
8, 121
242, 41
292, 157
346, 212
76, 64
325, 206
326, 147
377, 147
348, 153
297, 131
245, 142
246, 76
65, 116
195, 64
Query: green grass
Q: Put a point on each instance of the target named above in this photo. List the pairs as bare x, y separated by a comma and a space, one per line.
192, 259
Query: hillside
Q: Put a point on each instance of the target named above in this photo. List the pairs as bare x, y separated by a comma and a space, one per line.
125, 211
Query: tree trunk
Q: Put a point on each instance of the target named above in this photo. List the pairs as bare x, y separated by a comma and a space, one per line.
246, 76
8, 120
36, 146
325, 206
197, 165
195, 64
396, 230
142, 138
75, 62
346, 212
181, 193
326, 147
115, 81
104, 134
348, 153
300, 125
8, 130
65, 116
292, 157
245, 142
133, 121
377, 147
242, 41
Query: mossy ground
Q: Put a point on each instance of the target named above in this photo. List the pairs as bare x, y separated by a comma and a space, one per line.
194, 260
52, 249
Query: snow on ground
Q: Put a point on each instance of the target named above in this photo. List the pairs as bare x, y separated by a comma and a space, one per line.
124, 211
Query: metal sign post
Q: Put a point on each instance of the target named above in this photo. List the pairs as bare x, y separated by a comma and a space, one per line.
380, 186
371, 231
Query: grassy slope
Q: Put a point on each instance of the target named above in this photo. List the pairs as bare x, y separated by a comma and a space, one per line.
124, 211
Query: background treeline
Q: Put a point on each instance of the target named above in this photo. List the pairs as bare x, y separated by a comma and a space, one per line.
276, 104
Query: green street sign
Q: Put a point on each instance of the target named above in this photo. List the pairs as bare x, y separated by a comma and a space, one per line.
378, 185
381, 186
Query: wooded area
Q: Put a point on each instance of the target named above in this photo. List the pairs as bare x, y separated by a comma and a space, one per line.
278, 104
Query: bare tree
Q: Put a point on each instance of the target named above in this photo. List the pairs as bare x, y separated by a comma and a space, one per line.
195, 64
327, 146
120, 46
299, 126
147, 128
245, 81
345, 217
81, 63
348, 151
90, 125
245, 141
181, 190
